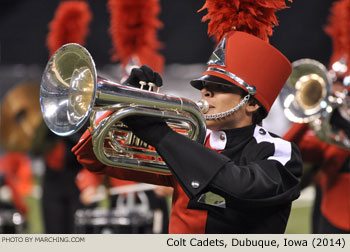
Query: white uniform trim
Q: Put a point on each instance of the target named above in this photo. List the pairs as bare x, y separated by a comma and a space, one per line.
217, 139
283, 149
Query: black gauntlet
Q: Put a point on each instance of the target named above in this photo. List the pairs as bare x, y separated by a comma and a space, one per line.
150, 129
144, 78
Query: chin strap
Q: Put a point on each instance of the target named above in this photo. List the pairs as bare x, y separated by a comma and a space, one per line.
228, 112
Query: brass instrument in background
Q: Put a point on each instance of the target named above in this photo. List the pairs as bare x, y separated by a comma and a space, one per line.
71, 93
21, 125
307, 98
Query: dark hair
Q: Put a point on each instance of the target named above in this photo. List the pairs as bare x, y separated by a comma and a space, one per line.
260, 113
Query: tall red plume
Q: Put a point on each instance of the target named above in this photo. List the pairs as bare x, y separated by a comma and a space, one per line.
133, 29
70, 25
338, 28
256, 17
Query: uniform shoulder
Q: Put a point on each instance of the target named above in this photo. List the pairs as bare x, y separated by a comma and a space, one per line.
282, 148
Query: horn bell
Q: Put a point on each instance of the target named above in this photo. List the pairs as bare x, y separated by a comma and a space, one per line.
67, 91
307, 98
305, 94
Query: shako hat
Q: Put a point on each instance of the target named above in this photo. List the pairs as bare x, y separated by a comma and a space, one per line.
249, 63
243, 56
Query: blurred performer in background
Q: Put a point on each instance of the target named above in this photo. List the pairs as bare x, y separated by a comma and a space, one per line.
15, 170
244, 179
328, 154
133, 29
60, 197
60, 192
16, 175
19, 124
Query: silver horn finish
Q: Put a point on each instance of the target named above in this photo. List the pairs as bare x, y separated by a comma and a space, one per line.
72, 93
65, 103
306, 98
305, 94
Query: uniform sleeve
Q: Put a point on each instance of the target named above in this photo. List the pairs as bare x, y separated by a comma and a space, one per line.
311, 148
269, 178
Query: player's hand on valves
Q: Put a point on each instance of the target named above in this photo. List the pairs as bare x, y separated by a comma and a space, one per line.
144, 78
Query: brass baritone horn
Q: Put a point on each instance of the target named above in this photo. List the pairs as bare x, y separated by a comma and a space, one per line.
71, 93
306, 98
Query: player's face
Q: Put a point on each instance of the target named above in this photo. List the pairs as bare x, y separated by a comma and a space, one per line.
222, 98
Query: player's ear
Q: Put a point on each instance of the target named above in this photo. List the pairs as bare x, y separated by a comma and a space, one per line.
252, 106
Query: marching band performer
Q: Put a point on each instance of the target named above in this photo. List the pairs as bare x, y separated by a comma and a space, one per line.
20, 119
244, 179
16, 173
331, 163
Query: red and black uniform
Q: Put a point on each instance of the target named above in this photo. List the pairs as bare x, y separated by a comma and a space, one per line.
252, 175
243, 180
332, 204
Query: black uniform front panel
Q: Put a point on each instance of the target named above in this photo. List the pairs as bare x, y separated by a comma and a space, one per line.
258, 176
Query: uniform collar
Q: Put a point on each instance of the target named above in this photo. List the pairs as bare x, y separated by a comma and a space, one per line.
220, 140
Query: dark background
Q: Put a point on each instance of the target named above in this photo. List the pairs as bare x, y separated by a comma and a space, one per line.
24, 26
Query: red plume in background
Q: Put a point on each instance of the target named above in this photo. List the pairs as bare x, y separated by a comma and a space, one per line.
338, 28
133, 29
70, 25
256, 17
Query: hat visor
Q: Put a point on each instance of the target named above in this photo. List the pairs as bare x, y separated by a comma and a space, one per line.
199, 83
